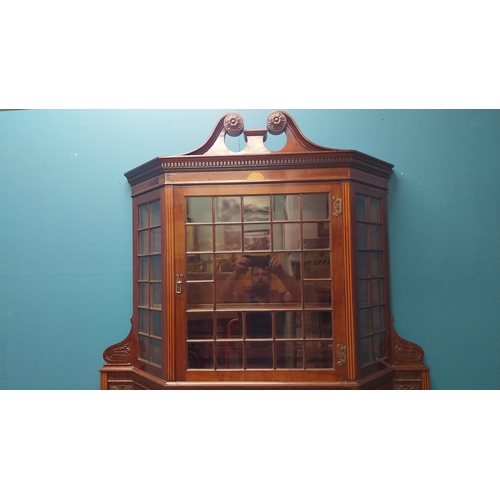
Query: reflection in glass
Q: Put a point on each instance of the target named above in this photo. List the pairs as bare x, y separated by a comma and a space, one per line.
144, 320
200, 295
376, 263
362, 236
288, 324
229, 354
318, 324
364, 322
155, 213
200, 355
143, 347
229, 326
200, 266
201, 240
375, 238
144, 268
228, 237
259, 354
365, 347
379, 346
363, 293
226, 263
316, 235
144, 294
156, 323
259, 324
286, 236
286, 207
257, 237
317, 265
315, 206
378, 318
377, 295
239, 333
374, 210
156, 240
143, 216
361, 214
199, 325
228, 209
156, 268
289, 354
362, 264
256, 208
143, 242
199, 209
317, 293
156, 351
319, 354
156, 295
291, 263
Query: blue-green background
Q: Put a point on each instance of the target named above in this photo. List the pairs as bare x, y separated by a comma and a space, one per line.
65, 231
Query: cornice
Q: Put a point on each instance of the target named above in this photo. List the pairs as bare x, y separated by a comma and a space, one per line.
297, 153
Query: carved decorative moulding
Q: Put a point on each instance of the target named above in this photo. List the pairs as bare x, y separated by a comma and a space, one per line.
297, 151
342, 358
337, 206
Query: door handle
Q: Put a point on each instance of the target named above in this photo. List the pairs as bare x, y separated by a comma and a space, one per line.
178, 284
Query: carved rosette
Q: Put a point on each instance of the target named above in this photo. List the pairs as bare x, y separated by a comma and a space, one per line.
233, 123
276, 122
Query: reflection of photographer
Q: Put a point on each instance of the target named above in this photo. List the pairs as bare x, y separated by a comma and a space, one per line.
262, 268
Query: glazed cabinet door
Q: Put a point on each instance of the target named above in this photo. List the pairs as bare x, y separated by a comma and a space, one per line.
371, 279
259, 283
149, 349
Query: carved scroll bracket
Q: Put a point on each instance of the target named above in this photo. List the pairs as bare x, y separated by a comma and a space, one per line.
405, 351
119, 354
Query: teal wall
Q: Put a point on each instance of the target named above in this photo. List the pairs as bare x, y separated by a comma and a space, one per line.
65, 229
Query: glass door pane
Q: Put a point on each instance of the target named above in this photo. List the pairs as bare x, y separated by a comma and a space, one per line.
259, 288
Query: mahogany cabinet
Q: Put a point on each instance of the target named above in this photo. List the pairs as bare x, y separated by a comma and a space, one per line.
261, 269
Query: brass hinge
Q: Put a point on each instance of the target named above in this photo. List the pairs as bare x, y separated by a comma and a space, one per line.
337, 206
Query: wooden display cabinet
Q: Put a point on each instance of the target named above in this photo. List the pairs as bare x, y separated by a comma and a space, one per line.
311, 221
